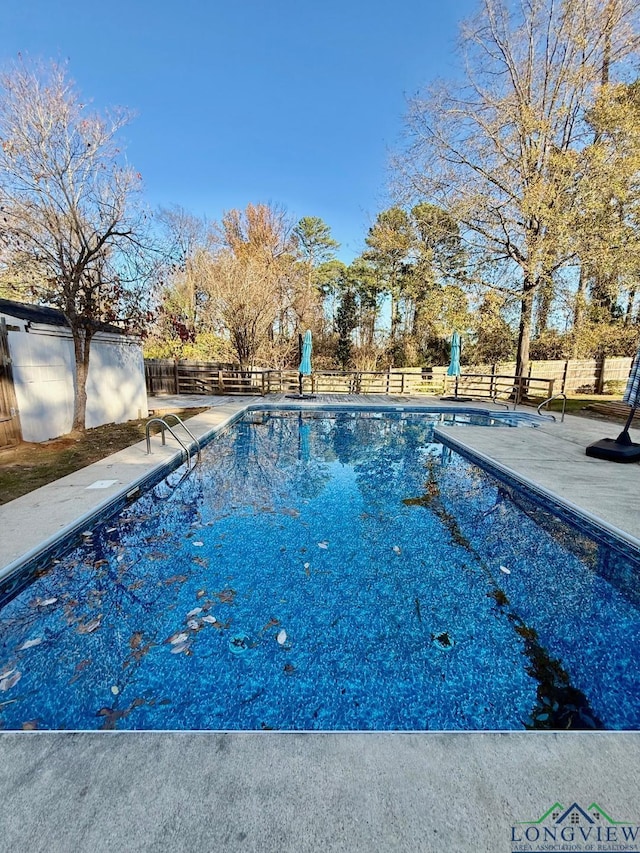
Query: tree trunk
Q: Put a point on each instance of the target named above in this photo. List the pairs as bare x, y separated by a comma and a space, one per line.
628, 316
82, 351
545, 298
579, 310
524, 330
393, 317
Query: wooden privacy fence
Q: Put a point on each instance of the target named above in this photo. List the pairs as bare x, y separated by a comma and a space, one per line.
9, 420
605, 375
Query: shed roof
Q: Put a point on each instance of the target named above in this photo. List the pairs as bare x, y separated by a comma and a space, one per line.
44, 314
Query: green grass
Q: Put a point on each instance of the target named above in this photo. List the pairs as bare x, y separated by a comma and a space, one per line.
575, 405
28, 466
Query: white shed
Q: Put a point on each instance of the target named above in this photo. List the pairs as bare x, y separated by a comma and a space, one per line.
42, 368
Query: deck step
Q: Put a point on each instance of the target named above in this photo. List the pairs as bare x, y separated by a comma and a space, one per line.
614, 409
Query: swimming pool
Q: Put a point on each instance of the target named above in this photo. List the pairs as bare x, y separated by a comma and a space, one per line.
328, 570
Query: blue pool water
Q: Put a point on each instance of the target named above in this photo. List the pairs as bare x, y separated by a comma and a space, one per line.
327, 571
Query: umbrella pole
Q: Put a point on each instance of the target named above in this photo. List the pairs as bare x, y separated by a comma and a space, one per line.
624, 437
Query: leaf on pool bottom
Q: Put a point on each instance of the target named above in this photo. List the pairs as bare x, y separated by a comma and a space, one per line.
43, 602
272, 623
135, 640
138, 654
294, 513
79, 668
99, 563
194, 612
111, 717
29, 644
30, 725
289, 668
324, 544
90, 627
10, 680
211, 620
175, 579
397, 550
180, 648
200, 561
178, 637
136, 585
201, 592
157, 555
227, 595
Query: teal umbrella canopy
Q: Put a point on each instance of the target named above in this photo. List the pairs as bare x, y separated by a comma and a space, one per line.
454, 364
305, 364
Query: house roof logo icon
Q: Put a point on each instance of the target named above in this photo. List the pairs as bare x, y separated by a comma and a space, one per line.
558, 814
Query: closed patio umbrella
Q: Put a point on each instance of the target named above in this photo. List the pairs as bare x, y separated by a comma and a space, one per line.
454, 364
305, 361
454, 357
632, 392
306, 347
622, 449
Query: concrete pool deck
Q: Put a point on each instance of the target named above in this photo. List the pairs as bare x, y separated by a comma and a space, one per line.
268, 791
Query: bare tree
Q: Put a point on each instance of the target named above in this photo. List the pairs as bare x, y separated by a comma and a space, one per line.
262, 237
244, 306
66, 198
187, 244
496, 151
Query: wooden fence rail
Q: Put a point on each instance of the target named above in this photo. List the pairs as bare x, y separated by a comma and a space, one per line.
212, 379
192, 377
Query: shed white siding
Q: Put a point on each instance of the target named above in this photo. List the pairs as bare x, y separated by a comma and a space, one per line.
43, 374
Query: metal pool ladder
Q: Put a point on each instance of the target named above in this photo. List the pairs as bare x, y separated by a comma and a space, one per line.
165, 426
547, 401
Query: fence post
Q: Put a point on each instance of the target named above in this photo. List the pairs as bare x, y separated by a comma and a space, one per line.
262, 381
176, 379
565, 372
402, 383
220, 381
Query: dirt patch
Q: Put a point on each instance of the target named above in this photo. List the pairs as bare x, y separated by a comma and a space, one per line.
27, 466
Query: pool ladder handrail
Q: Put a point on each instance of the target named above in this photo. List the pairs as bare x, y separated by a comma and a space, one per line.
164, 426
187, 430
548, 400
497, 402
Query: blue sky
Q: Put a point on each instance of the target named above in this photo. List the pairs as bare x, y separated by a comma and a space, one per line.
293, 103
